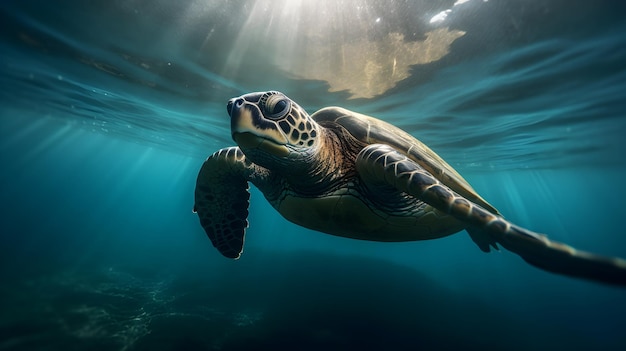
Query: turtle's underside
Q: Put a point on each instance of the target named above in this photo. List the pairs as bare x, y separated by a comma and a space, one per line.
347, 174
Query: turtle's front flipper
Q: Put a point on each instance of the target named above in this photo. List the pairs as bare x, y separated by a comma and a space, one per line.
381, 164
221, 199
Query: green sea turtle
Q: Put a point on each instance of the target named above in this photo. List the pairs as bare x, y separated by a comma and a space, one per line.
347, 174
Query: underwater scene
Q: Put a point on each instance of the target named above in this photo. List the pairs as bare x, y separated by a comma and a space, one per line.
108, 110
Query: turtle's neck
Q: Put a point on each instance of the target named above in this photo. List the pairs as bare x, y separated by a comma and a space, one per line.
326, 168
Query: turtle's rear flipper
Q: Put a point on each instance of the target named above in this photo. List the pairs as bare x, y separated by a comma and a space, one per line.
557, 257
380, 163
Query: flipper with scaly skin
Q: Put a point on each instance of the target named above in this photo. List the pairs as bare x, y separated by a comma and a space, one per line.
221, 199
379, 163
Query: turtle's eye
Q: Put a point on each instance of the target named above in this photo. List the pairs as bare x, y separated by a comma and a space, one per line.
276, 106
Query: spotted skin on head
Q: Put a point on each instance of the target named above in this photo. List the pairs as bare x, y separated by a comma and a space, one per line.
295, 124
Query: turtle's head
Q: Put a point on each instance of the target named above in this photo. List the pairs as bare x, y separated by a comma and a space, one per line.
271, 129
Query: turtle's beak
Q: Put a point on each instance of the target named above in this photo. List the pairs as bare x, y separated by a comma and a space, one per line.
230, 105
247, 141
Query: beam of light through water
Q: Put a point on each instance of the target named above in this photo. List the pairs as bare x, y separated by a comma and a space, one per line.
348, 44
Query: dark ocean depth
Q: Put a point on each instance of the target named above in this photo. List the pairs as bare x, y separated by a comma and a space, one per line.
109, 108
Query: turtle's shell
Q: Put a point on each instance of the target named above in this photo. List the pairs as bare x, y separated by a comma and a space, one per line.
370, 130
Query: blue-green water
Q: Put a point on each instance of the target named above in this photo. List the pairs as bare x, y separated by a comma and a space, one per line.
108, 108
